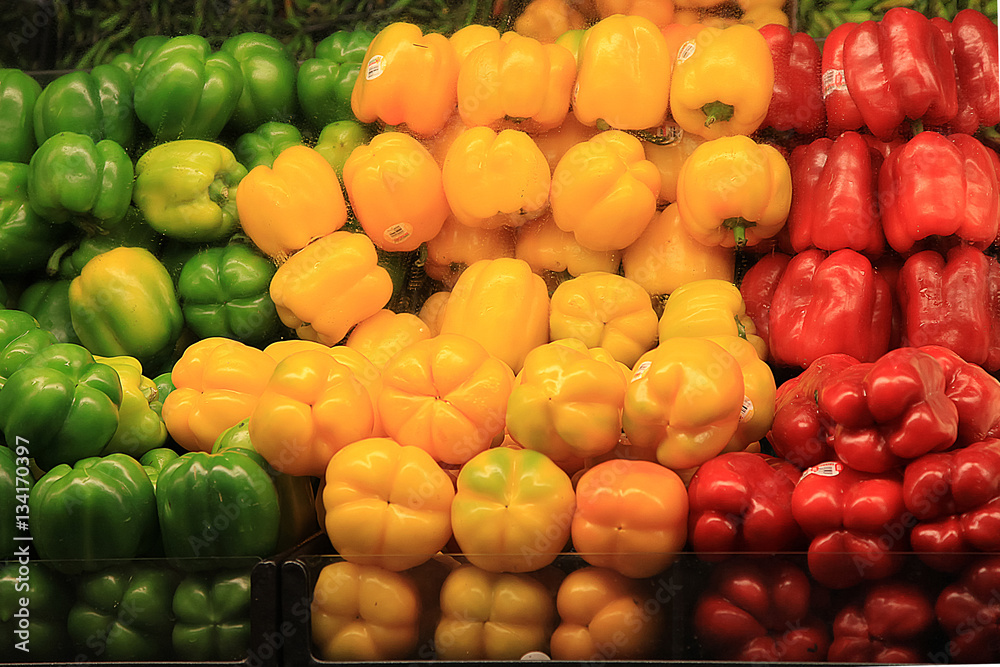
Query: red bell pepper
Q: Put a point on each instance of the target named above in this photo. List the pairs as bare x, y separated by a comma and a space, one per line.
939, 186
955, 497
834, 196
952, 300
897, 68
757, 289
972, 39
857, 522
842, 112
760, 611
975, 393
825, 304
741, 502
889, 623
796, 99
969, 612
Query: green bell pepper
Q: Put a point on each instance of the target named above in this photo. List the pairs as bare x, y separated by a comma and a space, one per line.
212, 613
48, 302
34, 603
19, 92
123, 303
164, 385
156, 460
124, 613
97, 103
185, 91
26, 239
261, 146
62, 402
21, 337
142, 49
140, 426
268, 80
99, 508
325, 82
338, 140
72, 177
187, 190
15, 483
131, 232
224, 291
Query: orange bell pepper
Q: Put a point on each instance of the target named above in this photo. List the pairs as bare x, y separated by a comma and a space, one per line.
286, 206
466, 39
545, 20
517, 78
396, 191
457, 246
494, 298
494, 179
386, 504
386, 333
556, 255
329, 286
631, 517
512, 510
605, 191
218, 382
432, 311
660, 12
446, 395
670, 157
407, 78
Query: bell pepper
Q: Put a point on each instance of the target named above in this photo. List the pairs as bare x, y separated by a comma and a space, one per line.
817, 297
604, 310
67, 261
140, 427
155, 460
493, 179
493, 616
124, 613
631, 516
857, 523
396, 191
556, 255
760, 611
97, 103
971, 37
409, 78
835, 201
217, 383
556, 142
187, 190
605, 178
268, 71
263, 144
19, 92
26, 239
466, 39
432, 311
759, 390
326, 81
364, 370
975, 393
456, 246
212, 616
512, 510
493, 297
888, 623
364, 612
518, 78
623, 75
73, 178
842, 112
708, 307
337, 141
546, 20
48, 302
45, 592
16, 482
21, 337
967, 611
899, 67
722, 82
187, 91
132, 60
797, 97
386, 333
733, 191
935, 163
446, 395
71, 508
670, 157
63, 403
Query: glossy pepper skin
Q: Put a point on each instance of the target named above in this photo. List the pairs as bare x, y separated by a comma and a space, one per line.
19, 91
14, 486
48, 639
760, 610
140, 427
975, 393
842, 111
132, 232
212, 616
386, 333
759, 391
972, 38
187, 91
966, 609
556, 255
337, 140
132, 61
888, 623
48, 302
21, 337
796, 100
97, 103
268, 72
709, 307
325, 82
265, 143
26, 239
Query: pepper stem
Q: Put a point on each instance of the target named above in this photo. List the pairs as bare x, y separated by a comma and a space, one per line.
717, 111
218, 192
739, 227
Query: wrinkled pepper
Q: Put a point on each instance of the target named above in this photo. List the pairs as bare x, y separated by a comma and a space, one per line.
97, 103
326, 81
19, 92
268, 71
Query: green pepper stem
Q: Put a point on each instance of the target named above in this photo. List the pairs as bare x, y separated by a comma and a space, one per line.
739, 227
218, 192
717, 111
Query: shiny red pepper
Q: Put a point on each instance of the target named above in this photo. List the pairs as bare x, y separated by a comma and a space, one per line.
972, 38
796, 99
969, 612
900, 67
975, 393
757, 288
842, 112
888, 623
834, 196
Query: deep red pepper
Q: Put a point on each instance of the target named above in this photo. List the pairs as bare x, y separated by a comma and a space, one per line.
969, 611
842, 112
796, 99
757, 288
889, 623
975, 393
972, 38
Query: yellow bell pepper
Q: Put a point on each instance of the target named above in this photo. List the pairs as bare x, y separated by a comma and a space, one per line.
457, 246
516, 78
722, 82
432, 311
734, 192
670, 157
494, 179
556, 142
503, 306
546, 20
396, 191
512, 510
439, 144
364, 613
758, 15
465, 40
709, 307
684, 401
605, 310
407, 78
666, 256
759, 389
446, 395
284, 207
567, 401
380, 337
329, 286
140, 427
386, 504
660, 12
623, 78
218, 382
492, 616
550, 252
605, 191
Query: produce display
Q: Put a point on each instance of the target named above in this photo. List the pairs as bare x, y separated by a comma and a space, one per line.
617, 331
